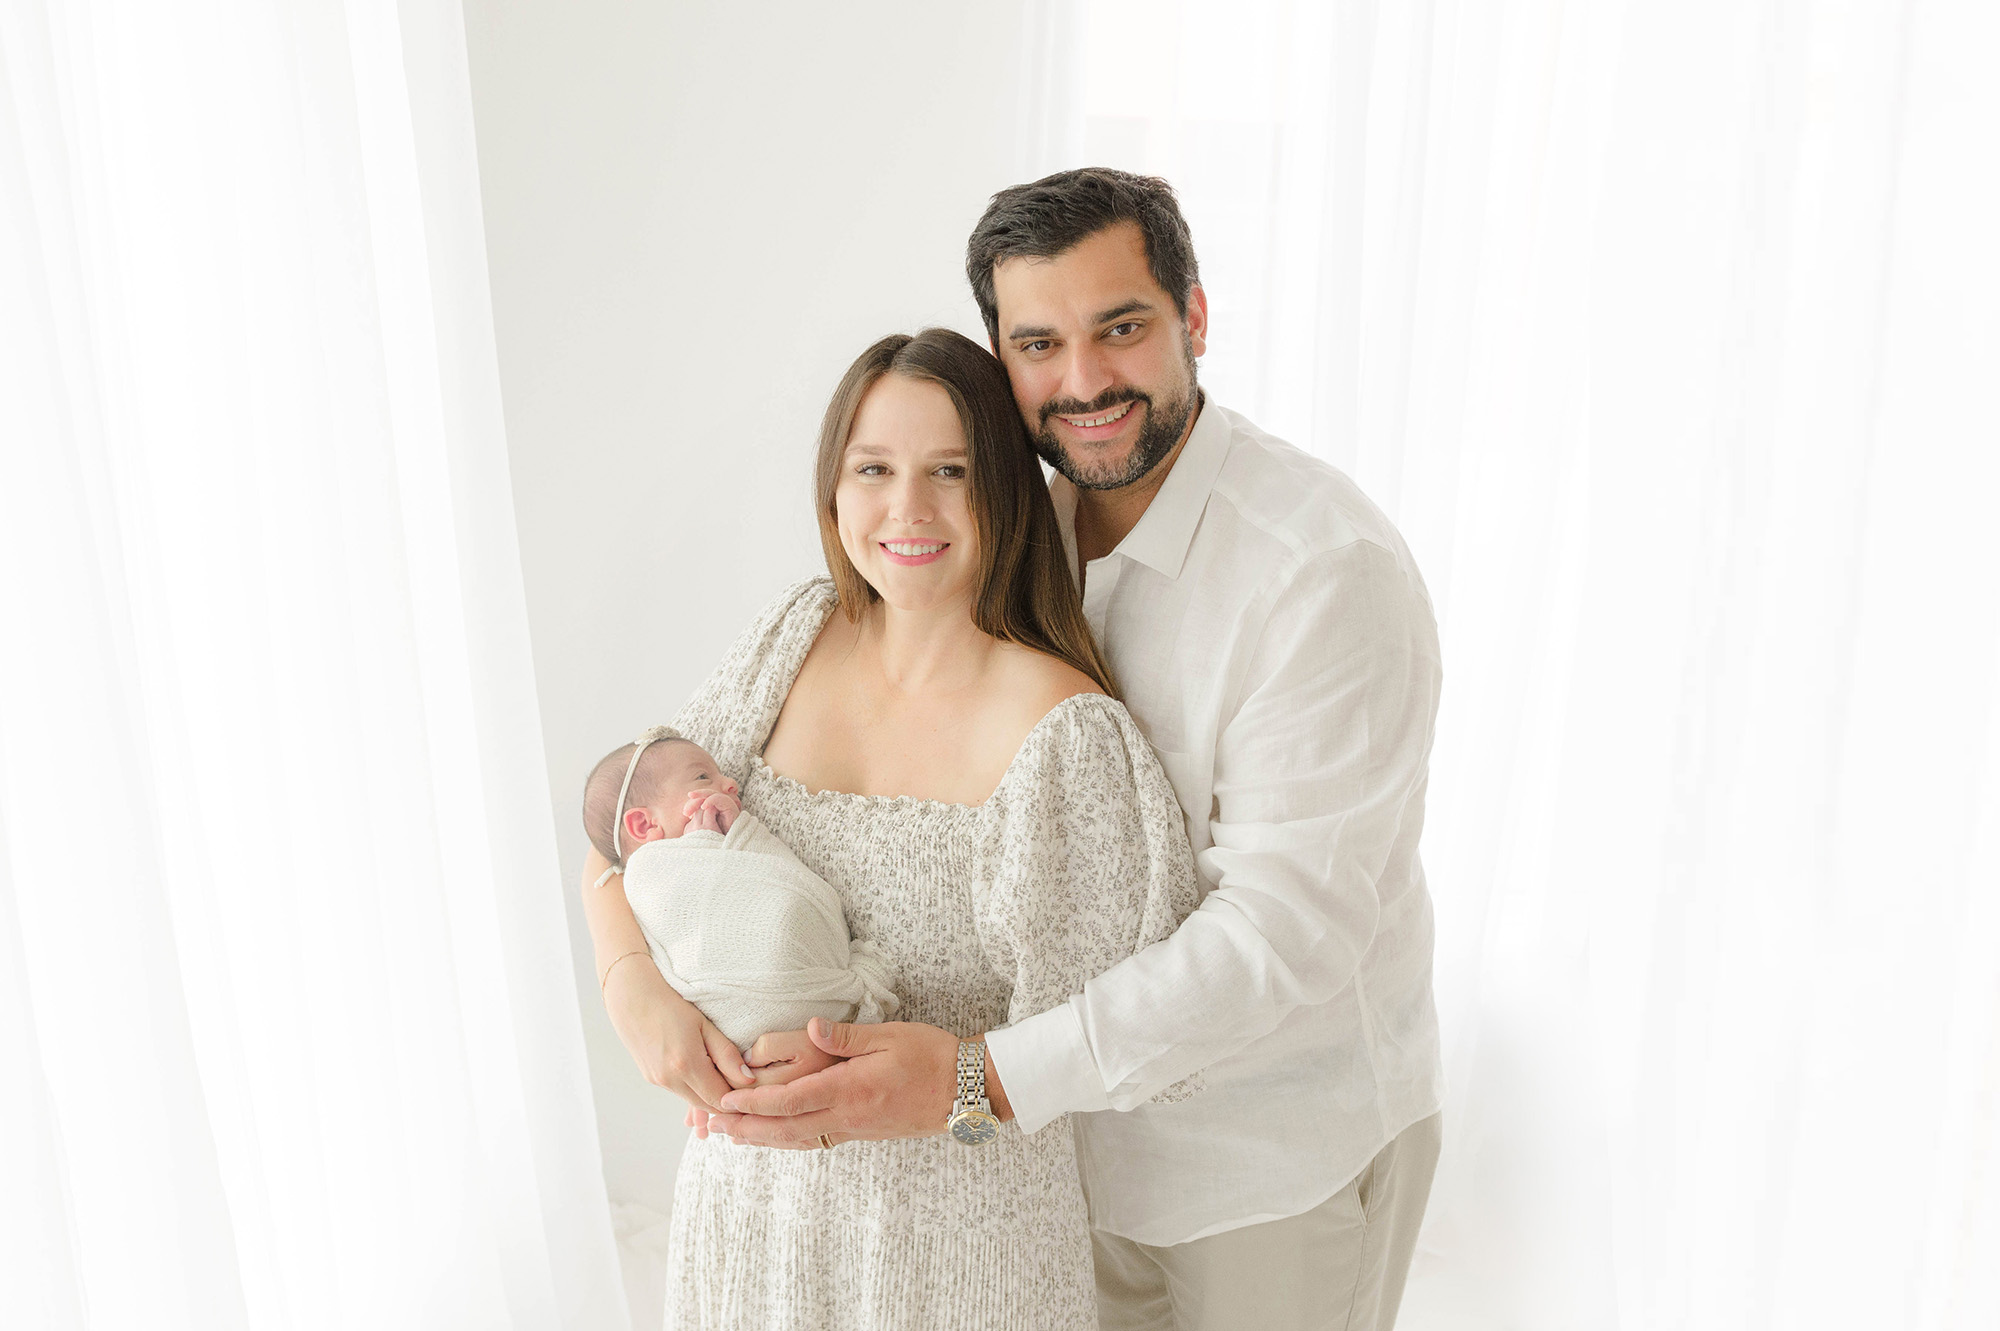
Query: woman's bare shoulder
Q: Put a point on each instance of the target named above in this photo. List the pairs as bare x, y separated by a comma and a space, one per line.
1035, 683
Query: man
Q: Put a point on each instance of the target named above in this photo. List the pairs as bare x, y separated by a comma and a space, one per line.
1273, 637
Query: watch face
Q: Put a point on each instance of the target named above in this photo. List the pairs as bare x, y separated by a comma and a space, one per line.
972, 1127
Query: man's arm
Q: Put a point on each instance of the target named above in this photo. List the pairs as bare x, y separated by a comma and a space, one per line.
895, 1080
1315, 770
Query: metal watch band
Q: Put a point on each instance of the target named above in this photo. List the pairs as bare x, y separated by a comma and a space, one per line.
971, 1074
972, 1121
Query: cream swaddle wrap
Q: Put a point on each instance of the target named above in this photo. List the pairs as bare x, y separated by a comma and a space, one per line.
742, 929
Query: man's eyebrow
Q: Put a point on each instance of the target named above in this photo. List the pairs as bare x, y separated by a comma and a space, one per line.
1115, 312
1120, 311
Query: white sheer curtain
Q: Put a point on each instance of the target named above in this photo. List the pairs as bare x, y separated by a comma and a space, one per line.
1669, 332
289, 1032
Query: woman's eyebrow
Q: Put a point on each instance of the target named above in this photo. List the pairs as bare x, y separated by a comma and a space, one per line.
877, 451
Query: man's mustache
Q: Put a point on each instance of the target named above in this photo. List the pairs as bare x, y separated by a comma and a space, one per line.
1103, 402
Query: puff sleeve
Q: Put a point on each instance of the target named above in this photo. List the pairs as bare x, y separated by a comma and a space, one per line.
736, 706
1088, 857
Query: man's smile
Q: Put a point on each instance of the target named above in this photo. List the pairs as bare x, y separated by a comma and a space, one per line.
1093, 422
1098, 426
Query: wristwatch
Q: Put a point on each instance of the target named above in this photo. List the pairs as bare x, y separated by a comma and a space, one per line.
972, 1121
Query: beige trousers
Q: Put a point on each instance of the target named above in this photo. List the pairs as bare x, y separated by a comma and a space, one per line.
1340, 1266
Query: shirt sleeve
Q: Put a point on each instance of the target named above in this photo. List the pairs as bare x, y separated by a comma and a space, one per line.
1318, 767
1089, 861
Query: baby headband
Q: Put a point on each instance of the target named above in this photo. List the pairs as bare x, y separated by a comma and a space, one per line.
650, 735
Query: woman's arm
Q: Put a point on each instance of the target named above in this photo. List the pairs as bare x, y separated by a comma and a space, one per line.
674, 1045
1093, 865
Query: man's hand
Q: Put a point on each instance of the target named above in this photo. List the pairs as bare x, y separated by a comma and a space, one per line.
782, 1057
895, 1080
779, 1058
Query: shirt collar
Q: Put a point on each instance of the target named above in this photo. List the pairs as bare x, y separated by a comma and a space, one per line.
1165, 531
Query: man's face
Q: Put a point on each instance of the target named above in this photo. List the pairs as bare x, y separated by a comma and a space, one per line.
1101, 362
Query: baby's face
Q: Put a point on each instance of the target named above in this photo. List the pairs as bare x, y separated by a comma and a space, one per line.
690, 771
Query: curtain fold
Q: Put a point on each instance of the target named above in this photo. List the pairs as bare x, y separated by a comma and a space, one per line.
1667, 333
287, 1008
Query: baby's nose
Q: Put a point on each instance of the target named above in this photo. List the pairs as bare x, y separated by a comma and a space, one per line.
728, 786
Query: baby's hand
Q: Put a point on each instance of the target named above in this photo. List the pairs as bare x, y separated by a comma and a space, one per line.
713, 811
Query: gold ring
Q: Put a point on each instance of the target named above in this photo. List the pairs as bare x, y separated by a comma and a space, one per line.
826, 1142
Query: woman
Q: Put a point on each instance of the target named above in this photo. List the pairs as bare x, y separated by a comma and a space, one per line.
933, 730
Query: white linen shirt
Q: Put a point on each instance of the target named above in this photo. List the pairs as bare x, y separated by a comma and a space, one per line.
1275, 642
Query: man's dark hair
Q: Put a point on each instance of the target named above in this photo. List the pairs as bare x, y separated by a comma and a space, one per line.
1055, 213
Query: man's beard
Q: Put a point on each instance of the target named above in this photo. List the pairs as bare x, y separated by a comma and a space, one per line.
1163, 427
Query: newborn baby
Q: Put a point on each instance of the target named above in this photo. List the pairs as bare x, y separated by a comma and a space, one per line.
736, 923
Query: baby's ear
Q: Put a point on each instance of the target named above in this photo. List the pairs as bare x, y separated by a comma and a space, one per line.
639, 826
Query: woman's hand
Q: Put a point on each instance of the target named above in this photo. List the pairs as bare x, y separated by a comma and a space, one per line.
776, 1059
785, 1056
697, 1118
893, 1079
674, 1045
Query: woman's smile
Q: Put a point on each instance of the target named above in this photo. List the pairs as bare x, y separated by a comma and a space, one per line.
914, 552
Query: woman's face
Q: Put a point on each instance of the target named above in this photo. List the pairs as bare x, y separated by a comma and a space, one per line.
903, 504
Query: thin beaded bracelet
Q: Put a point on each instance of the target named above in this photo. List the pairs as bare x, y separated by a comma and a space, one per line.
605, 978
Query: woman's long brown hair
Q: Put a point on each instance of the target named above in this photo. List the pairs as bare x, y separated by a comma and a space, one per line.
1025, 594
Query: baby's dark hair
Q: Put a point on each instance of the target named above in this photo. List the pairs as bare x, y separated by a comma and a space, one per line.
600, 792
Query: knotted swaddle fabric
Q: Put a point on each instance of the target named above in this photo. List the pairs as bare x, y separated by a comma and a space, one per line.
741, 928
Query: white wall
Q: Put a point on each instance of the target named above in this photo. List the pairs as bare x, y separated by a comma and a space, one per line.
683, 264
1484, 257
